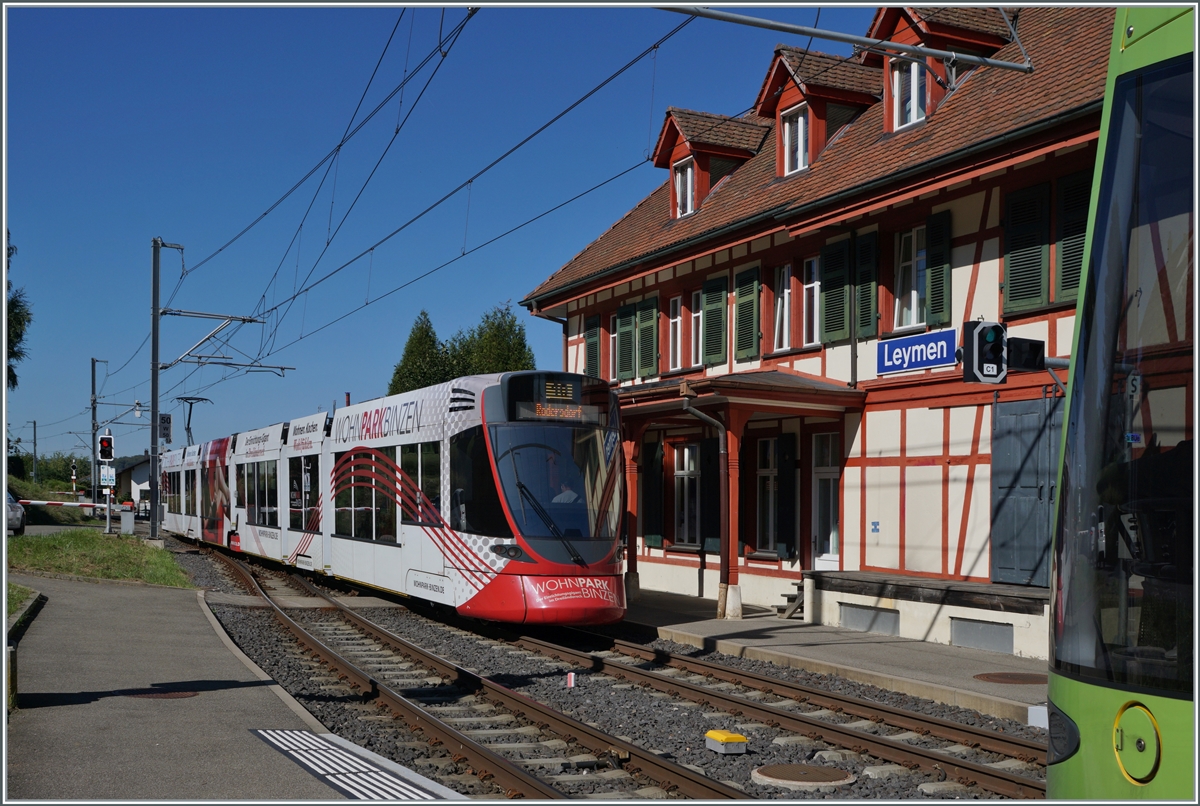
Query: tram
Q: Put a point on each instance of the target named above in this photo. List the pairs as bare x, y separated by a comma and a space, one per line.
498, 495
1122, 716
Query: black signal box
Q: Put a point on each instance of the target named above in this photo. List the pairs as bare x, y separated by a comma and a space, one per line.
1026, 354
985, 352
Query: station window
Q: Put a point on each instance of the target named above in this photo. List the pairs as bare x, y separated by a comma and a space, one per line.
687, 494
795, 139
685, 188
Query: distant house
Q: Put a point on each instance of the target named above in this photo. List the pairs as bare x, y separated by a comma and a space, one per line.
803, 274
133, 482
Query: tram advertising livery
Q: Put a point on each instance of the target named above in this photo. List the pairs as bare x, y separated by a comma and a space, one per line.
1122, 716
498, 495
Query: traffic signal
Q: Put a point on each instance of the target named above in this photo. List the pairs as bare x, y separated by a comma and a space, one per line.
985, 352
105, 451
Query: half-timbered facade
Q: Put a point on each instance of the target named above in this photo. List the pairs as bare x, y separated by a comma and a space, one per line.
802, 277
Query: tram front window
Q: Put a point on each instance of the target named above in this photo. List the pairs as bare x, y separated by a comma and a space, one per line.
1124, 558
562, 486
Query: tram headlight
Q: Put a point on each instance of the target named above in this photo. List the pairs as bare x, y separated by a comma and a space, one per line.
1064, 735
510, 550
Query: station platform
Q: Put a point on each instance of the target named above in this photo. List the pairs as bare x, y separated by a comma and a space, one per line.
129, 692
954, 675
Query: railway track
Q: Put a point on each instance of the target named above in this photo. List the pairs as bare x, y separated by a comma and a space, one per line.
458, 709
739, 693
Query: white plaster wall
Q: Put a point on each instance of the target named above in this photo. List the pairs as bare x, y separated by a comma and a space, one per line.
883, 508
850, 520
868, 360
1167, 410
964, 213
811, 365
977, 557
853, 443
962, 264
923, 432
923, 519
987, 290
931, 622
577, 358
837, 362
763, 591
1066, 335
962, 427
1039, 331
883, 429
680, 579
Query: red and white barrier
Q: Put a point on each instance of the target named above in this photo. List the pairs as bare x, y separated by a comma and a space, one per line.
23, 502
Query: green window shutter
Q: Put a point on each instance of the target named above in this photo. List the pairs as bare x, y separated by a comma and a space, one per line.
866, 272
938, 299
715, 303
1074, 193
746, 335
625, 339
1026, 248
835, 292
591, 339
647, 338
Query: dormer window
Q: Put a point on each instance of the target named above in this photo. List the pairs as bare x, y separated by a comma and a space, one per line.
685, 188
795, 139
908, 92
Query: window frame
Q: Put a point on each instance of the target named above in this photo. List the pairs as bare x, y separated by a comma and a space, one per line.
681, 450
675, 333
768, 497
811, 302
798, 113
612, 347
685, 203
697, 317
782, 318
920, 269
916, 79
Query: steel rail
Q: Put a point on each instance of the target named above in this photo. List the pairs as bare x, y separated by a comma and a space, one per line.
486, 763
1015, 746
668, 774
968, 772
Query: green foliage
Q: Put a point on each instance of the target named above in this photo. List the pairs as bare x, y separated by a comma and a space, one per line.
89, 553
496, 344
424, 362
17, 595
19, 315
57, 467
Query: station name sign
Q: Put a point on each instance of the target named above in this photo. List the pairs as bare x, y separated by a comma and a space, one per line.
921, 351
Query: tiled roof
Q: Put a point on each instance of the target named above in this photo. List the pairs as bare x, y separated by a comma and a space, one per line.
1069, 50
821, 69
721, 130
983, 20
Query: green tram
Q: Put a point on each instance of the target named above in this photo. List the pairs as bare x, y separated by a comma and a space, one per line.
1122, 676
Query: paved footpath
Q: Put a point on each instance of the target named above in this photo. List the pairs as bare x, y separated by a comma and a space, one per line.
78, 734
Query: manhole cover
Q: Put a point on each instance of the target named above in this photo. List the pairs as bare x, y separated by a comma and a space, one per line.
801, 776
1013, 678
158, 695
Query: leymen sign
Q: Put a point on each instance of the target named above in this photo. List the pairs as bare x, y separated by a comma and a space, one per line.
922, 351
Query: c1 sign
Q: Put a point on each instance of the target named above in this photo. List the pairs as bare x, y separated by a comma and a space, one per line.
922, 351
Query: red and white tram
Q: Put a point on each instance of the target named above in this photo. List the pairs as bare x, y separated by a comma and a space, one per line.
499, 495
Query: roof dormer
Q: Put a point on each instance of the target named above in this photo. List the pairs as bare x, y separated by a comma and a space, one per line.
915, 85
812, 96
701, 149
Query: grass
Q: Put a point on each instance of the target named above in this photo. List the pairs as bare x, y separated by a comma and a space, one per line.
87, 553
47, 492
16, 597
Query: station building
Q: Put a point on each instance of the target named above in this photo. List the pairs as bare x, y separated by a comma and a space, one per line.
802, 277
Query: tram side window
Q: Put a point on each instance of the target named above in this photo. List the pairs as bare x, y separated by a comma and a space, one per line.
364, 494
303, 487
239, 473
474, 501
421, 477
189, 492
171, 494
261, 493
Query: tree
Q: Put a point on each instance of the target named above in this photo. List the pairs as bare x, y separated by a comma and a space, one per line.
19, 315
496, 344
424, 362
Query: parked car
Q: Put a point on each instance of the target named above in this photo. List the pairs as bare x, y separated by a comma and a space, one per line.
16, 516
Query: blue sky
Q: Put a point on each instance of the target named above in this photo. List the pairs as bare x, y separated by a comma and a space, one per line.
123, 124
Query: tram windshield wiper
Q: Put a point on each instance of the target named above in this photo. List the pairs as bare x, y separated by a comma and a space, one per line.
547, 519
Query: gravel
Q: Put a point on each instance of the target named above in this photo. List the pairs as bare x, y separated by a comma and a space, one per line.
653, 720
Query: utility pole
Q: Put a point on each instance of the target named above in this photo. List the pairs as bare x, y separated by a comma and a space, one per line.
95, 426
34, 450
157, 245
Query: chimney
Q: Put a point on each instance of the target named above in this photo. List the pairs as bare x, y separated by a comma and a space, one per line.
347, 398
